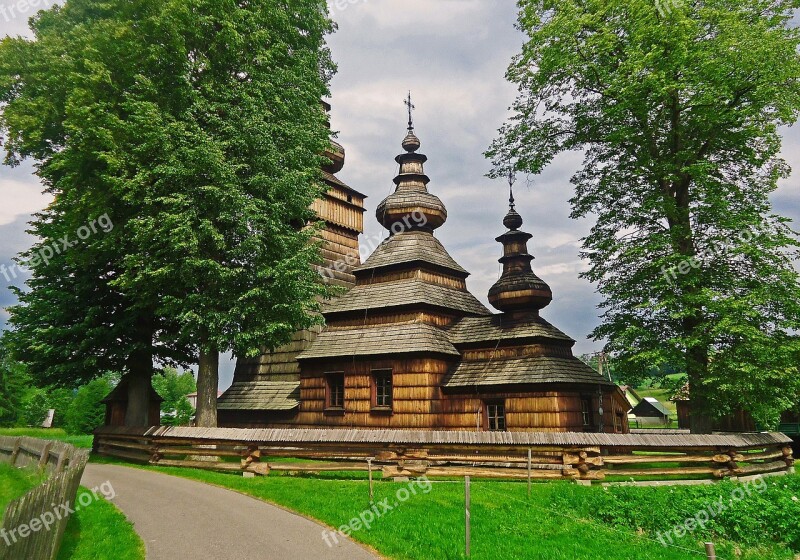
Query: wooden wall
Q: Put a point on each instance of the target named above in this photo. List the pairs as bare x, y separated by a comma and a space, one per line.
419, 403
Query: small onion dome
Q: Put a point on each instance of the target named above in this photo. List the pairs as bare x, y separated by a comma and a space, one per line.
520, 291
513, 220
411, 210
336, 156
518, 288
411, 206
411, 142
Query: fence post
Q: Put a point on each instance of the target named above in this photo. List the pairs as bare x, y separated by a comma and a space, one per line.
529, 472
711, 553
371, 493
15, 452
45, 458
467, 517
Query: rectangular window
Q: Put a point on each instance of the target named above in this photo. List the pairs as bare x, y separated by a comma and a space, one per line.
334, 390
382, 389
587, 413
496, 416
619, 422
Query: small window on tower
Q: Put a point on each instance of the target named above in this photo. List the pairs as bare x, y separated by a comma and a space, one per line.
587, 413
382, 390
334, 391
496, 416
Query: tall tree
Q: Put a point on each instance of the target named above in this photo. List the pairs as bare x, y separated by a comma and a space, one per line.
234, 167
677, 107
64, 97
195, 126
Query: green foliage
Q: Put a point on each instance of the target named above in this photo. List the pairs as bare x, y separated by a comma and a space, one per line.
14, 381
196, 129
173, 387
37, 402
678, 116
765, 508
87, 412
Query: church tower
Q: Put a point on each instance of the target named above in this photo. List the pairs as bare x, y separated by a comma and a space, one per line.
267, 388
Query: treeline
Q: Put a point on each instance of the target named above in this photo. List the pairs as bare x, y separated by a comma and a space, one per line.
80, 410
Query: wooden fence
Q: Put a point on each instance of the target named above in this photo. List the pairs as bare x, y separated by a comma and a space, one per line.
33, 526
505, 455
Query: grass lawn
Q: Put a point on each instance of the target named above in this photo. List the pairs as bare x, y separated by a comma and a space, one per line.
14, 483
553, 524
52, 433
100, 531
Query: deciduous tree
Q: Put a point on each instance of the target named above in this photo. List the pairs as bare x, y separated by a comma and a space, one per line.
677, 107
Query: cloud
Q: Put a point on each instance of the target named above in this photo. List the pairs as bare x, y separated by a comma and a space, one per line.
21, 194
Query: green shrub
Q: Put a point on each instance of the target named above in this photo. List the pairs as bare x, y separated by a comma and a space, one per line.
753, 512
87, 412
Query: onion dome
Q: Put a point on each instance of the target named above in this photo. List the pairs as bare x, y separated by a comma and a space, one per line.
518, 288
411, 207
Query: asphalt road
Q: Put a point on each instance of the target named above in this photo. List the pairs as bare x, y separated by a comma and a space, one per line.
179, 518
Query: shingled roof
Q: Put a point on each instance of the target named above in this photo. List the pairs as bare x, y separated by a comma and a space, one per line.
405, 292
409, 247
503, 327
528, 370
261, 395
377, 340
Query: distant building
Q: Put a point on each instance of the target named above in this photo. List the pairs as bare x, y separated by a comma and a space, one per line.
650, 411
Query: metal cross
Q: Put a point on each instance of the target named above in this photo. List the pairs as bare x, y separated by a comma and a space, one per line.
411, 107
511, 180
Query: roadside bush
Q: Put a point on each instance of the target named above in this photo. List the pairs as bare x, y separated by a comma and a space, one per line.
87, 412
745, 513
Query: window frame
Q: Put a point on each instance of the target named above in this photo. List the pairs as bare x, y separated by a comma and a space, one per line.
496, 418
377, 395
587, 413
330, 405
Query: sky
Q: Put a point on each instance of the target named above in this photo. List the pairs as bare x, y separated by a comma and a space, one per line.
452, 55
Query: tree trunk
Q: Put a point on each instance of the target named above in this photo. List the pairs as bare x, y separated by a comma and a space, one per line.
700, 419
207, 384
140, 377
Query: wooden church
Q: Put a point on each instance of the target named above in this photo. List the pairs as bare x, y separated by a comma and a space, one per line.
409, 347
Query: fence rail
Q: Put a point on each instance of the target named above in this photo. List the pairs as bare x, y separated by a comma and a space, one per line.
33, 526
515, 455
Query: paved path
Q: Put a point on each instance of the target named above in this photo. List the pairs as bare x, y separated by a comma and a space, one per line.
179, 518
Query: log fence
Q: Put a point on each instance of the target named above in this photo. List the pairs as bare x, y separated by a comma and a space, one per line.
31, 526
499, 455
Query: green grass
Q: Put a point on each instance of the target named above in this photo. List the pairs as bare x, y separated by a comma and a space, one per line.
100, 531
53, 433
552, 525
14, 483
